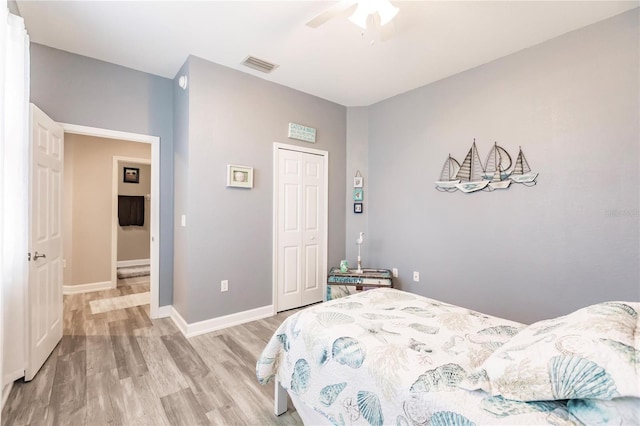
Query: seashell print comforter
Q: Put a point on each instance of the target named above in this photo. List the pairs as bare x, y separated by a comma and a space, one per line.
388, 357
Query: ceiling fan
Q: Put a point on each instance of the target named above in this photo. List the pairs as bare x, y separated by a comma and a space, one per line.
366, 14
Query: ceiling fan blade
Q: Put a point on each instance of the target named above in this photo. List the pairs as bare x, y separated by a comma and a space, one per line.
332, 12
381, 33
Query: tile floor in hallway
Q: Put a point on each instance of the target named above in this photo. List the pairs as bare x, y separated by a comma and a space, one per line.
118, 367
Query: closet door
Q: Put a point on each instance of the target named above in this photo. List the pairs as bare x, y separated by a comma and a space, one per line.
301, 221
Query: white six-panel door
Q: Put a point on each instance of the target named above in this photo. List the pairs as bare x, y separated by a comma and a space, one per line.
301, 228
45, 267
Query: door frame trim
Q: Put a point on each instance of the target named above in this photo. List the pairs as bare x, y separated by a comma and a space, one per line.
154, 287
274, 267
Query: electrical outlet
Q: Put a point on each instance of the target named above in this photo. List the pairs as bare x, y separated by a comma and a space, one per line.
183, 220
394, 272
224, 285
416, 276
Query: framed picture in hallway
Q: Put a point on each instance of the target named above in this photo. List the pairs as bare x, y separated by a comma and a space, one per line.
131, 175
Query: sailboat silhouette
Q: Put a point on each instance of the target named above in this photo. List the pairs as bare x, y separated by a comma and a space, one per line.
497, 162
447, 180
522, 172
471, 173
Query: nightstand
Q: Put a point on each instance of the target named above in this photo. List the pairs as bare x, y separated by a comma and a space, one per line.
340, 284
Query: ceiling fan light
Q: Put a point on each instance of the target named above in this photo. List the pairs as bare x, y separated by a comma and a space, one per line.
387, 12
361, 15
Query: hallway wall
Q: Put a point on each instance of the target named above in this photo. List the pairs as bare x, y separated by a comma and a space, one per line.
87, 207
134, 241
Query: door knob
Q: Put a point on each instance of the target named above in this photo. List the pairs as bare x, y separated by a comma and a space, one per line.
36, 256
313, 238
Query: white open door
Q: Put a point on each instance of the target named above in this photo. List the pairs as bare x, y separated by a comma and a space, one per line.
44, 307
301, 228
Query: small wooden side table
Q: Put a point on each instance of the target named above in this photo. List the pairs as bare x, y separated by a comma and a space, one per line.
340, 284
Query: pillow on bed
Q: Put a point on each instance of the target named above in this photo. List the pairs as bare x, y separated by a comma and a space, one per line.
591, 353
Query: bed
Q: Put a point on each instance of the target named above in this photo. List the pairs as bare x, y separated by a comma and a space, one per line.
389, 357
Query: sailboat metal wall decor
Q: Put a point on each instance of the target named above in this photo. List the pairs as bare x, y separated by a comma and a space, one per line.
472, 175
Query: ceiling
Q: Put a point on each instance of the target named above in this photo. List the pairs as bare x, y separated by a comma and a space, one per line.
433, 39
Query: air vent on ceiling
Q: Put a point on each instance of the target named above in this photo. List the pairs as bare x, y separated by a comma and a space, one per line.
259, 64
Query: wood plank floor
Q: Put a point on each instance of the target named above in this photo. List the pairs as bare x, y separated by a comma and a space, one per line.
121, 368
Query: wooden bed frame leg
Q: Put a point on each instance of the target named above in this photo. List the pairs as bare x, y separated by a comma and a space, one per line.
280, 399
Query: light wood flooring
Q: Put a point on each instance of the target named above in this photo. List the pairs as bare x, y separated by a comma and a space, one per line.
122, 368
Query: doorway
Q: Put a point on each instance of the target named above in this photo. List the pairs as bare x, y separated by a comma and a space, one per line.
300, 200
45, 287
153, 203
131, 233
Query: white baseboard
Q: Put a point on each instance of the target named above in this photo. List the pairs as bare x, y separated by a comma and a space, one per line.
164, 311
5, 392
86, 288
135, 262
213, 324
178, 321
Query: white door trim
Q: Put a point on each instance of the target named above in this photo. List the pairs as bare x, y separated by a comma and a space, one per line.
155, 201
274, 278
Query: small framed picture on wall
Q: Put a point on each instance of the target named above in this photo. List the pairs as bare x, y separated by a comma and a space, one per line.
239, 176
357, 207
358, 194
131, 175
358, 182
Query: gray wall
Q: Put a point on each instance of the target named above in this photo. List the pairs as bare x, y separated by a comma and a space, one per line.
181, 184
523, 253
234, 118
79, 90
357, 160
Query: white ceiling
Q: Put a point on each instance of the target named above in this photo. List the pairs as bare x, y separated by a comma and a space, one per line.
433, 39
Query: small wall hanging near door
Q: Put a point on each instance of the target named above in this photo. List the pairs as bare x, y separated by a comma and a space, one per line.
239, 176
358, 192
131, 175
